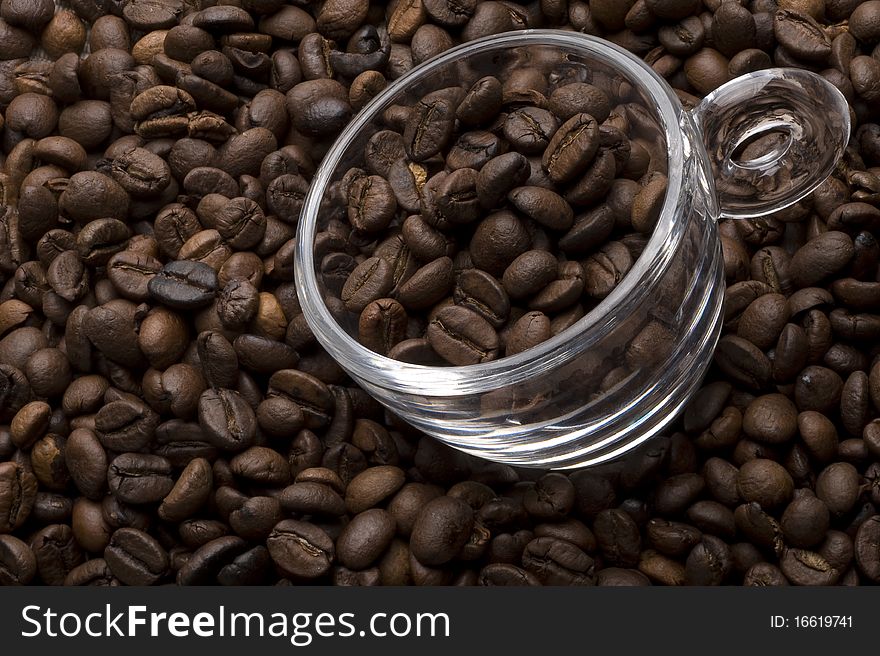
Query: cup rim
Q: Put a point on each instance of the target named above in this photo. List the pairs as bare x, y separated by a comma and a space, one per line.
378, 370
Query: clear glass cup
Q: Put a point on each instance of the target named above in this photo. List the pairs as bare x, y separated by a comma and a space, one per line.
624, 371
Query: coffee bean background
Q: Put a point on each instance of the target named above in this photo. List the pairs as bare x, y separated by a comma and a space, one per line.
166, 415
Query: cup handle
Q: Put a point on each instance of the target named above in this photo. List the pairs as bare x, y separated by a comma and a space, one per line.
805, 122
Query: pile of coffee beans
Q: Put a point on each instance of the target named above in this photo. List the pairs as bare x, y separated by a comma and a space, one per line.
487, 217
167, 417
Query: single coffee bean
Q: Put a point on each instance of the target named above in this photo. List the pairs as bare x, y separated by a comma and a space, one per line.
18, 566
802, 567
227, 419
135, 558
557, 562
140, 478
184, 284
301, 550
441, 530
765, 482
18, 489
461, 336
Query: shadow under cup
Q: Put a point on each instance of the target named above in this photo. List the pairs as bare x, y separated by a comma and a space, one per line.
618, 375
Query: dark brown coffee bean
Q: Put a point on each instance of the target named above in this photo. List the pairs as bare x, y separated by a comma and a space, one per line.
125, 426
184, 284
531, 129
618, 537
372, 486
817, 388
765, 482
18, 489
771, 418
572, 148
461, 336
838, 486
867, 548
371, 203
820, 258
140, 478
190, 492
557, 562
210, 557
805, 521
227, 419
301, 550
365, 538
135, 558
743, 362
241, 223
802, 567
708, 563
428, 285
56, 552
382, 325
370, 281
802, 36
818, 434
441, 530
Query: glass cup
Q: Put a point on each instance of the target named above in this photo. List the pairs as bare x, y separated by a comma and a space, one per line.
621, 373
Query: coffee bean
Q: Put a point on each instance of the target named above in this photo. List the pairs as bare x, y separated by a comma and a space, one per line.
139, 478
56, 553
708, 563
227, 419
135, 558
838, 486
764, 482
557, 562
210, 558
17, 562
184, 284
372, 486
618, 537
300, 549
441, 530
18, 490
190, 491
803, 567
461, 336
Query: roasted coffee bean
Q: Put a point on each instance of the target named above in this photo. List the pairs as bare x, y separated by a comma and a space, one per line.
461, 336
370, 281
708, 563
140, 478
765, 482
365, 538
56, 552
125, 426
18, 489
867, 548
227, 419
18, 565
372, 486
802, 567
838, 486
209, 559
184, 284
618, 537
557, 562
441, 530
135, 558
190, 492
301, 550
241, 223
382, 325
